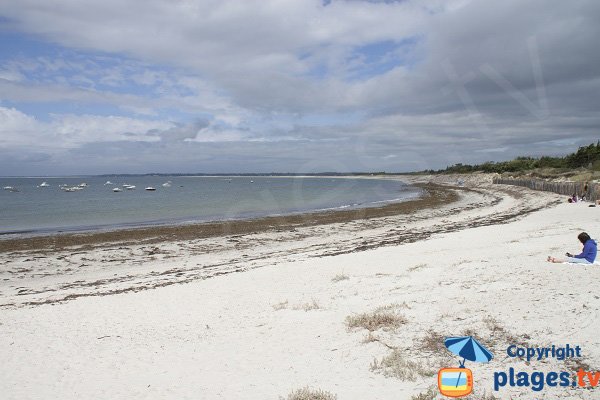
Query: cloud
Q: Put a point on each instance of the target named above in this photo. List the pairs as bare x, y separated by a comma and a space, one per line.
271, 85
232, 43
67, 131
180, 132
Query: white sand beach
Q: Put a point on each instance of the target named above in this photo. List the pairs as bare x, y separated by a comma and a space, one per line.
172, 320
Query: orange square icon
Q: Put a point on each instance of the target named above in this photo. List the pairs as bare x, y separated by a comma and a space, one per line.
455, 382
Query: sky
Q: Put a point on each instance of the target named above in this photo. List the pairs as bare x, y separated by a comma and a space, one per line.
224, 86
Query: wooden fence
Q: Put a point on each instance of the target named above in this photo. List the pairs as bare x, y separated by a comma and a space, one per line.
566, 188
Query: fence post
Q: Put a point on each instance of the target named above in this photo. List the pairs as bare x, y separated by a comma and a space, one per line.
564, 188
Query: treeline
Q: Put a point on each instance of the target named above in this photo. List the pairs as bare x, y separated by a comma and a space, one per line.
584, 157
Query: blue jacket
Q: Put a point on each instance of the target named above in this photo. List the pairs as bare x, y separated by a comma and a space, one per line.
589, 251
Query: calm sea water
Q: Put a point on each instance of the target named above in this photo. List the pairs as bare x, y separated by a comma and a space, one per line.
36, 209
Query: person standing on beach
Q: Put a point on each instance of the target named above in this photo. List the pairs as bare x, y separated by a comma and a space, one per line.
587, 256
584, 196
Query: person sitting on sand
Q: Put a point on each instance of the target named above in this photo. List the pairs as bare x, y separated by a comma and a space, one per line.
572, 199
587, 256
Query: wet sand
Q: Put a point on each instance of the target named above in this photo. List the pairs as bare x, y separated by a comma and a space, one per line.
59, 268
434, 196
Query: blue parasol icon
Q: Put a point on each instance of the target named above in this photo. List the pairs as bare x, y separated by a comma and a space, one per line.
468, 348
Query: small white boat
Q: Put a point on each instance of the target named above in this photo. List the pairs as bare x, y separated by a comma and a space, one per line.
108, 183
117, 189
71, 188
150, 188
82, 185
129, 187
251, 181
10, 188
167, 184
44, 184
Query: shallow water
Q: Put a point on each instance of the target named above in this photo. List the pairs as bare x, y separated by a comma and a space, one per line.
189, 199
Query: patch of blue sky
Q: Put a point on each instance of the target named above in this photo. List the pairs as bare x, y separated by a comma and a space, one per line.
43, 62
43, 111
16, 44
39, 56
89, 73
126, 86
380, 57
319, 71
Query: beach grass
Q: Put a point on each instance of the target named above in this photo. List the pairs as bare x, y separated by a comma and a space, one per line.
398, 365
429, 394
340, 277
281, 305
381, 318
417, 267
311, 305
308, 394
432, 342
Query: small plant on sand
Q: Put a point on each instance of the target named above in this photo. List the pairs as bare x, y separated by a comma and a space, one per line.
486, 396
340, 277
370, 338
393, 307
312, 305
375, 320
430, 394
308, 394
280, 306
468, 332
397, 365
433, 342
417, 267
460, 262
499, 334
576, 364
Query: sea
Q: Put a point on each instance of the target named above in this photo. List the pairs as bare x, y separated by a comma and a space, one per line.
31, 209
